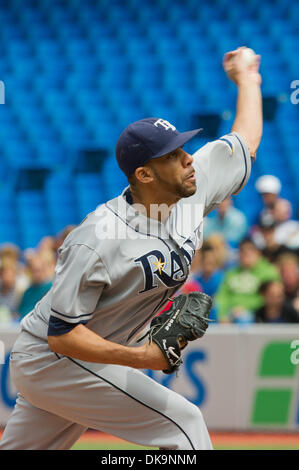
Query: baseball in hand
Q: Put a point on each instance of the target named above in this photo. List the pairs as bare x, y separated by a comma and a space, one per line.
240, 61
248, 55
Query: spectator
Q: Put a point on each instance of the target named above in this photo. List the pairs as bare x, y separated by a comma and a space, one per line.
10, 254
47, 244
11, 251
49, 259
269, 188
276, 308
230, 222
220, 248
271, 250
9, 294
288, 266
287, 230
209, 276
238, 295
40, 285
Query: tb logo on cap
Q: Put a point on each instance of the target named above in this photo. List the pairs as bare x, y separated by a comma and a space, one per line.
164, 124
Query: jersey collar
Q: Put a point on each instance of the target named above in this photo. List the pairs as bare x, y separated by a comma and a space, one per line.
123, 208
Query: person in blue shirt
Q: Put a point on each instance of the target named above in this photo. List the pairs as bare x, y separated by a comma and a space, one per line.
209, 276
40, 284
227, 220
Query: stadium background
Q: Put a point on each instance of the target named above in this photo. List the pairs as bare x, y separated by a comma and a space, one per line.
77, 72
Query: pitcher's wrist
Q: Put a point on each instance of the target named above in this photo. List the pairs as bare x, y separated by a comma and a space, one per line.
248, 78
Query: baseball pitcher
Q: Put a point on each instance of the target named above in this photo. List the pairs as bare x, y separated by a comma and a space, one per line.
77, 362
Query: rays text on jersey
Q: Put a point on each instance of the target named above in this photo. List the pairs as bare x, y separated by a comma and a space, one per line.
155, 266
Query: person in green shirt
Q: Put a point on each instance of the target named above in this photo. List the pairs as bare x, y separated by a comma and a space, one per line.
238, 295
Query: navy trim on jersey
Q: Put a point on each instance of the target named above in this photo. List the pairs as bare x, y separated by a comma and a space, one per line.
244, 154
59, 327
128, 196
228, 142
133, 398
71, 316
135, 229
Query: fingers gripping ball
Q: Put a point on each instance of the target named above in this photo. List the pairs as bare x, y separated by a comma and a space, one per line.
248, 55
186, 320
242, 63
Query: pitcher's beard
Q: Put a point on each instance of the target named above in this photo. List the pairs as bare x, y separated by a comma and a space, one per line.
181, 190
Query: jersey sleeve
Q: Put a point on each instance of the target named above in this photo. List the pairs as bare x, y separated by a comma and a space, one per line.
226, 164
80, 277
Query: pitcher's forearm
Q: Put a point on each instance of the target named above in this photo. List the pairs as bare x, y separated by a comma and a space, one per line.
249, 115
85, 345
243, 70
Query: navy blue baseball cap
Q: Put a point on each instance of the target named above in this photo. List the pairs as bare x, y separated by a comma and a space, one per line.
146, 139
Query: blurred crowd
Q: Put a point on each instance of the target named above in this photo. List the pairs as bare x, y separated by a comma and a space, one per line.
250, 271
25, 277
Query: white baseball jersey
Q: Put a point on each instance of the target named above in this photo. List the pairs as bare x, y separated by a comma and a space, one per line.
118, 268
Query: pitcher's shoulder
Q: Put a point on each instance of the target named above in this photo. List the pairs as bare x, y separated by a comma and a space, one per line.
97, 231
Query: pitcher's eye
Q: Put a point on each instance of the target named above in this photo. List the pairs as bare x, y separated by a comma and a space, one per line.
172, 154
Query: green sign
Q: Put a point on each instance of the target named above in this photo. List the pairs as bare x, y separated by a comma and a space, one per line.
272, 404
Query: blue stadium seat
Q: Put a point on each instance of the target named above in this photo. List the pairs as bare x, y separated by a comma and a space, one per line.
114, 180
178, 14
90, 192
61, 200
76, 73
20, 154
149, 14
207, 14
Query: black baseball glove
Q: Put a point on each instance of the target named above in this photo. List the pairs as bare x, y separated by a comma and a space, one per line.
186, 320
